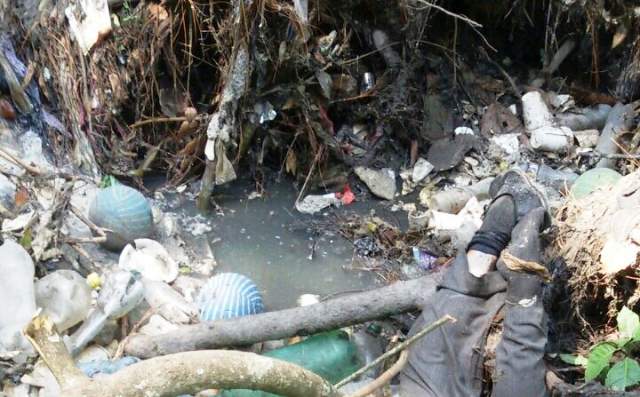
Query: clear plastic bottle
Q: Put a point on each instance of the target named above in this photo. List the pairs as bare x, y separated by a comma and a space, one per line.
121, 292
17, 298
65, 296
368, 348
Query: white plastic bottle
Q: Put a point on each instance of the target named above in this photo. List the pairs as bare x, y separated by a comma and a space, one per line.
121, 292
65, 296
17, 298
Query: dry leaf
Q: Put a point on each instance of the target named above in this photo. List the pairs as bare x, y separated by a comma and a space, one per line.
520, 265
291, 162
158, 11
619, 36
21, 198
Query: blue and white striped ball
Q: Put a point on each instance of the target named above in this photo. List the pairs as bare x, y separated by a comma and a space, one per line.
229, 295
125, 211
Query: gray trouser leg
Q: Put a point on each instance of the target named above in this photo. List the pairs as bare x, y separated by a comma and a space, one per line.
520, 368
449, 361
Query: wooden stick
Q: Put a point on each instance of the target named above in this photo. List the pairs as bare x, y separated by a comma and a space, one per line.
443, 320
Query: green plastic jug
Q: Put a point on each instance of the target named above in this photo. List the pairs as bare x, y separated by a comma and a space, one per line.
331, 355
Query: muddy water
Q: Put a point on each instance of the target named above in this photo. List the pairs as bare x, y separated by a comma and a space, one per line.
267, 240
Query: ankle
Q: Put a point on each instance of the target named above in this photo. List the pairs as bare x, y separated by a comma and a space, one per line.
480, 263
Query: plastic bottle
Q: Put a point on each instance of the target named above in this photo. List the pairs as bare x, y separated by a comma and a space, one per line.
548, 176
65, 296
121, 292
331, 355
368, 348
17, 298
453, 200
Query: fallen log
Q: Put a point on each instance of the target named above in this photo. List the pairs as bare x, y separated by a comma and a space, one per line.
356, 308
181, 373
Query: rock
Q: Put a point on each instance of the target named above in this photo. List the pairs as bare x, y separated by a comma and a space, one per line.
446, 153
379, 182
438, 119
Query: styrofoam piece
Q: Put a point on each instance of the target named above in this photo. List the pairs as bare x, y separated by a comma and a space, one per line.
463, 131
551, 139
535, 112
587, 138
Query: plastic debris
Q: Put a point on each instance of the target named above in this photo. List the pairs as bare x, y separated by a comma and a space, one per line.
454, 199
106, 367
229, 295
592, 117
121, 292
551, 139
125, 212
593, 180
535, 112
314, 203
366, 246
368, 82
89, 22
168, 302
380, 182
425, 259
65, 296
149, 258
18, 301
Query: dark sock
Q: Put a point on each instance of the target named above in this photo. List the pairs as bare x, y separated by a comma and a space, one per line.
495, 232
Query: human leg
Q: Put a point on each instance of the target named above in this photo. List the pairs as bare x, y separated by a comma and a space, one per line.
520, 368
448, 361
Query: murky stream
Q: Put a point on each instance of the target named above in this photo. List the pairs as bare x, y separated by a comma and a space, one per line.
267, 240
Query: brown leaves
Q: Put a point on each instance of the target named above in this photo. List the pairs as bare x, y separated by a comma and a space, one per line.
520, 265
291, 163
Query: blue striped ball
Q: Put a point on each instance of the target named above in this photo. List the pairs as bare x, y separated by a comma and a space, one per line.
229, 295
125, 211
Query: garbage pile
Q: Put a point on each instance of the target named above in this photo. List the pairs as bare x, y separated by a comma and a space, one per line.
349, 110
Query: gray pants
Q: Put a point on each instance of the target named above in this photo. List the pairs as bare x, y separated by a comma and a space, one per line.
449, 362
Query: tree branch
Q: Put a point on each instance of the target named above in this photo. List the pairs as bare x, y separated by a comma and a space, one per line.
357, 308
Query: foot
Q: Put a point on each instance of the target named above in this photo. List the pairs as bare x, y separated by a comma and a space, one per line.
525, 194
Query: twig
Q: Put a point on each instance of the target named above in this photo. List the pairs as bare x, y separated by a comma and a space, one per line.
120, 350
88, 257
76, 240
473, 24
156, 120
506, 75
385, 377
10, 157
599, 155
87, 222
443, 320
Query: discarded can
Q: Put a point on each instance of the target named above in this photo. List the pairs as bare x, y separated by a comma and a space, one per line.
551, 139
424, 259
535, 112
368, 82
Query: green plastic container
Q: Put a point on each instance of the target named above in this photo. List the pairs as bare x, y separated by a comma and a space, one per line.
331, 355
593, 180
